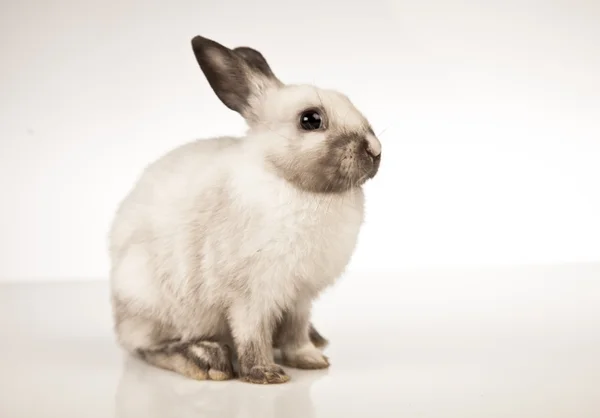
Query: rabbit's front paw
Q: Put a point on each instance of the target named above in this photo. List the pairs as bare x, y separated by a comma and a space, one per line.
265, 375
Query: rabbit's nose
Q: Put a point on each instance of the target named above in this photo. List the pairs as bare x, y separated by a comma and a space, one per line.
373, 146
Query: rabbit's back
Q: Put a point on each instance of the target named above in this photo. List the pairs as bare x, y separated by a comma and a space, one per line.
169, 184
157, 235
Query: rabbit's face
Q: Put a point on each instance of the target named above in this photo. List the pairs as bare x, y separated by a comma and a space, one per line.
316, 139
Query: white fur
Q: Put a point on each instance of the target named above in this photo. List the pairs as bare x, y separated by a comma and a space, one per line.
214, 241
277, 242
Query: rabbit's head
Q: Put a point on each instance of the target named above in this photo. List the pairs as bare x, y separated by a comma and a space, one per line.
314, 138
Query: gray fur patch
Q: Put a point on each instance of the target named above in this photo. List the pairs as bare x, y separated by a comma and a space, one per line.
197, 359
251, 354
341, 164
316, 338
233, 74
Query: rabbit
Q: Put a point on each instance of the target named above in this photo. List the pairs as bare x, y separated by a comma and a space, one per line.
220, 249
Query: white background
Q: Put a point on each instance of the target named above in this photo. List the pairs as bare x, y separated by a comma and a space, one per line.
490, 113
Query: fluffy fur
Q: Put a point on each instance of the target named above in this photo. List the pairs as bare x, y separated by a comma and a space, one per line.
225, 242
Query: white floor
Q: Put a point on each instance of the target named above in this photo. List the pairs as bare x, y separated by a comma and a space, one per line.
519, 342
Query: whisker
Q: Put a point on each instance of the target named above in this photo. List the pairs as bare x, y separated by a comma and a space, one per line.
382, 132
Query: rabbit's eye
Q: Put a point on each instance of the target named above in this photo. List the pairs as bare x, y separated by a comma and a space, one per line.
311, 120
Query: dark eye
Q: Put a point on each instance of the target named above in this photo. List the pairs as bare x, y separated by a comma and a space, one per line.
311, 120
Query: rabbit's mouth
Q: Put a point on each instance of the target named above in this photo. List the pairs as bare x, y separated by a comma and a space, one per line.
342, 163
376, 161
358, 156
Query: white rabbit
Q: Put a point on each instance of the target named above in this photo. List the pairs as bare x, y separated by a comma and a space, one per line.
225, 242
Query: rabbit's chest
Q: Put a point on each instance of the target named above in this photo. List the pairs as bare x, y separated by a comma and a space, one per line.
312, 246
306, 238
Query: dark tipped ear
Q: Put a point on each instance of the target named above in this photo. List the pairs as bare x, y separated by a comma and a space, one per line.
255, 60
234, 75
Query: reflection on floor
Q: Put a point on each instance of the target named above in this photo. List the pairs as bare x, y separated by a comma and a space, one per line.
520, 342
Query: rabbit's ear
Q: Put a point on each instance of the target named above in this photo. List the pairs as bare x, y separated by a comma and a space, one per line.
236, 76
256, 61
